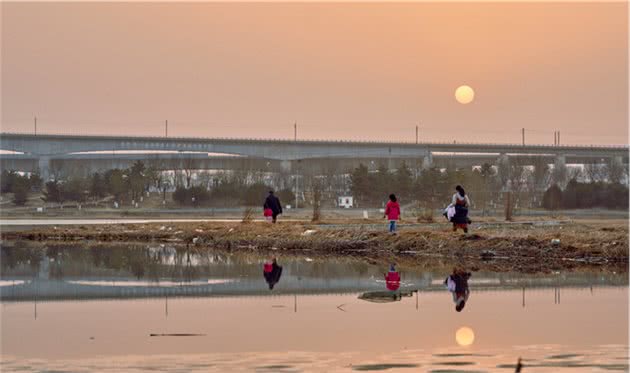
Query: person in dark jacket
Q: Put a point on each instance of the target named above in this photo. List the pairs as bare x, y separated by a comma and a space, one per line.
273, 203
272, 272
457, 284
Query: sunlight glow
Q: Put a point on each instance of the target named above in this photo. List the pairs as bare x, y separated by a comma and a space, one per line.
464, 336
464, 94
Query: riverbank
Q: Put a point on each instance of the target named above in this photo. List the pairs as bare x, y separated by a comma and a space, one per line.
527, 247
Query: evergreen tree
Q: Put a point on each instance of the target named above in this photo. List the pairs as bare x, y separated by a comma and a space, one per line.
20, 188
552, 199
54, 192
404, 182
360, 184
98, 187
116, 183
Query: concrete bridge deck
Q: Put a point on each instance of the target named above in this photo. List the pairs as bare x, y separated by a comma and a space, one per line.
40, 151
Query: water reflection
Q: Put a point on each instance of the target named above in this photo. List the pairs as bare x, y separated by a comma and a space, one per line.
464, 336
217, 334
93, 271
392, 278
272, 272
457, 284
385, 296
206, 294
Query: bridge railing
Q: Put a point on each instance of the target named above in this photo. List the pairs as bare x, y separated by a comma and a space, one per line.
315, 141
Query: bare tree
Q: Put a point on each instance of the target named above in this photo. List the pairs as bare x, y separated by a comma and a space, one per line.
615, 171
317, 199
595, 172
559, 175
188, 167
541, 174
517, 178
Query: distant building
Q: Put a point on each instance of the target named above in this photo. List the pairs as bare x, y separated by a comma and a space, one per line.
344, 201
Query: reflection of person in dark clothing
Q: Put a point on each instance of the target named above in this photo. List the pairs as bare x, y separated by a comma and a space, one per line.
272, 272
273, 203
457, 284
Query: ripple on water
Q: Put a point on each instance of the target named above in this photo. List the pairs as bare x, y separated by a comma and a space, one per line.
367, 367
275, 366
564, 356
461, 355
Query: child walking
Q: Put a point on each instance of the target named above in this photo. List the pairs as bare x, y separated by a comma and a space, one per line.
392, 213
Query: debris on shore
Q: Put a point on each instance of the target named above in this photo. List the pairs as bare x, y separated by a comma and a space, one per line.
528, 249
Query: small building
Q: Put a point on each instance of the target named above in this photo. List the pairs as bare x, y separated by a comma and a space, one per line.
344, 201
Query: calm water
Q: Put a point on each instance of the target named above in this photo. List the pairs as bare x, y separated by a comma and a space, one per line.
117, 308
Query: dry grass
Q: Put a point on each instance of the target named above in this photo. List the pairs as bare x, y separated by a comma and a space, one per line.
514, 247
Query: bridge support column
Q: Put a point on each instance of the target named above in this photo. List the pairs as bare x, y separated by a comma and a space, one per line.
559, 174
560, 161
285, 166
427, 161
43, 164
503, 159
503, 169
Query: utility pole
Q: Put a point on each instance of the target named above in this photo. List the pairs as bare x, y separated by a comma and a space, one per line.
523, 135
35, 122
296, 189
416, 135
558, 137
297, 175
555, 141
166, 128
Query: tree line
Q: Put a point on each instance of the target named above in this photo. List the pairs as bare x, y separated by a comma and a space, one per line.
577, 195
509, 185
228, 193
126, 186
19, 185
515, 184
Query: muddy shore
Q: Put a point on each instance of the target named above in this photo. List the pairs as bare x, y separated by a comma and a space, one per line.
522, 247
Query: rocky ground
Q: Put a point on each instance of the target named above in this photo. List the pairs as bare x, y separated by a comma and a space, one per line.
540, 246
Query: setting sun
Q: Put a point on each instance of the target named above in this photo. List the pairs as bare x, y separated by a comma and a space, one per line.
464, 94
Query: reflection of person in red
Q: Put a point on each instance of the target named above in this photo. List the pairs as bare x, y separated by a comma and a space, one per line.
272, 272
392, 278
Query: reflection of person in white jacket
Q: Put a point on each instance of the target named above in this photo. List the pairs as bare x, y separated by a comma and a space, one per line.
457, 284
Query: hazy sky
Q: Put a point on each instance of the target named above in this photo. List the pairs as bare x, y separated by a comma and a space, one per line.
343, 71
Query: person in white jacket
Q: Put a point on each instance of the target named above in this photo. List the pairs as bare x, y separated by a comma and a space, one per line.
458, 209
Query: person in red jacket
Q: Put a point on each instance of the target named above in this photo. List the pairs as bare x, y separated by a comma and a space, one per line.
392, 213
392, 278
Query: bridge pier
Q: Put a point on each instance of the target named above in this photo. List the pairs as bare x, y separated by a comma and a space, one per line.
503, 159
43, 165
559, 174
560, 161
427, 161
285, 166
503, 169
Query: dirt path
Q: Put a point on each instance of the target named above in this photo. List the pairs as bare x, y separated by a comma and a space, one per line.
524, 247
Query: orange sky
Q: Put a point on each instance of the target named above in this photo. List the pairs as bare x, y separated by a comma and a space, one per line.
343, 71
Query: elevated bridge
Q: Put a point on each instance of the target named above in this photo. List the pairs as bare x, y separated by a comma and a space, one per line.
43, 152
